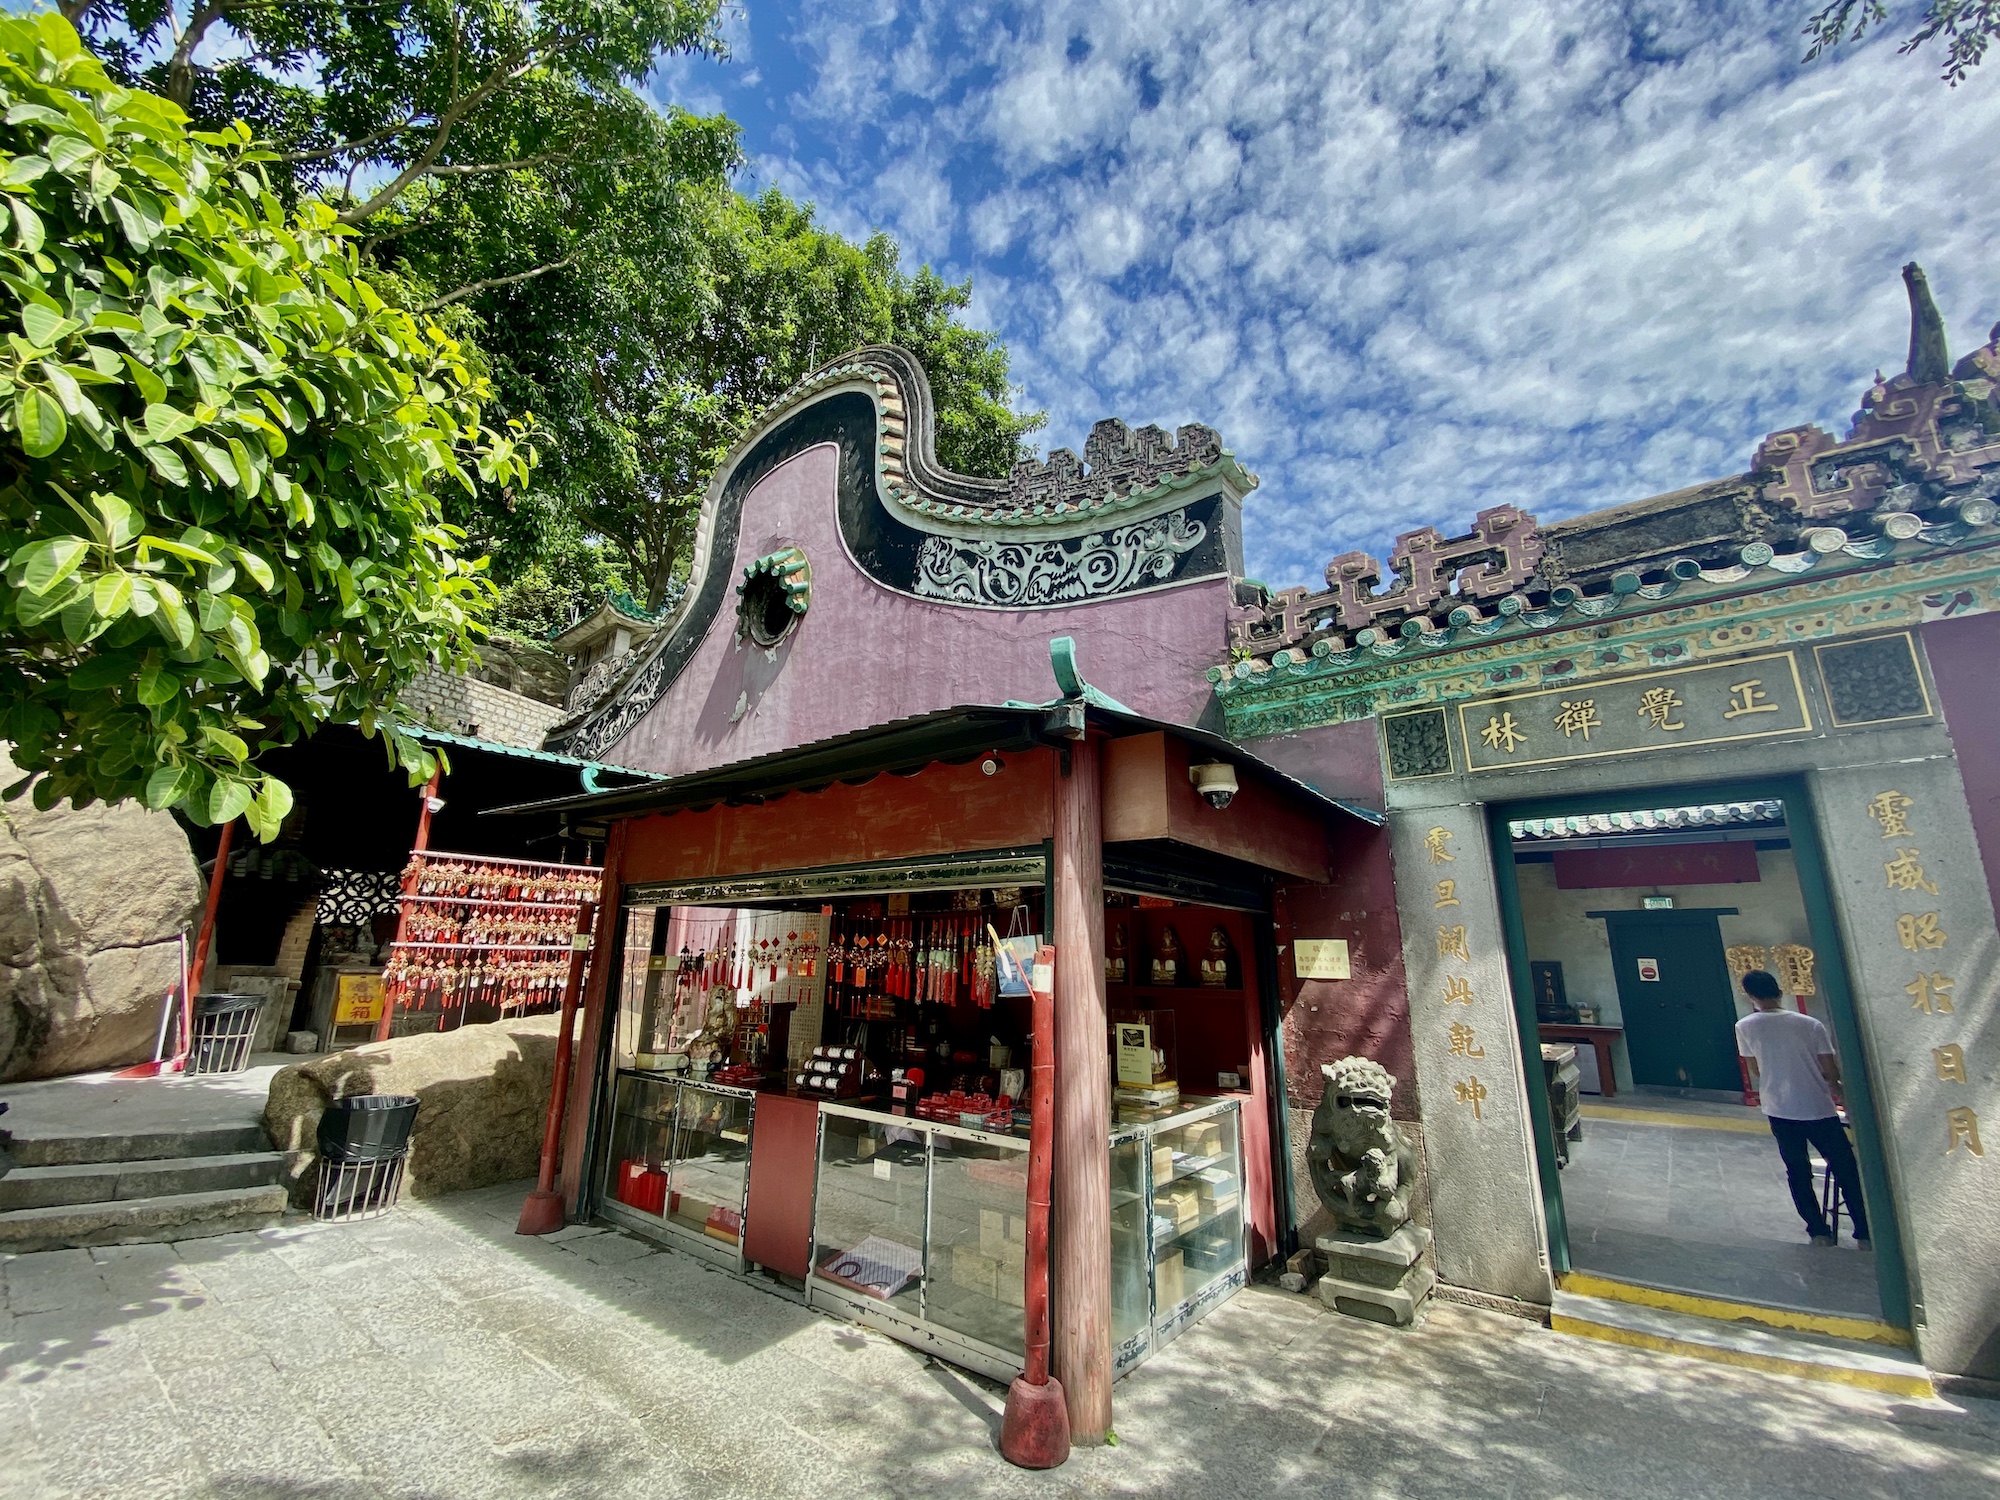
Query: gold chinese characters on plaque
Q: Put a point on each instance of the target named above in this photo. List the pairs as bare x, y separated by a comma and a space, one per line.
1750, 698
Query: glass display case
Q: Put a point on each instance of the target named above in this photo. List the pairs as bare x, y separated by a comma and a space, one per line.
920, 1230
1177, 1228
679, 1162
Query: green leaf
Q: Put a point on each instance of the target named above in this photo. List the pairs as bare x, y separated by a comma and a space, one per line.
227, 799
151, 544
23, 170
111, 595
268, 810
229, 744
165, 423
175, 623
40, 566
257, 568
121, 522
164, 787
157, 685
27, 226
101, 672
46, 328
39, 419
167, 464
151, 387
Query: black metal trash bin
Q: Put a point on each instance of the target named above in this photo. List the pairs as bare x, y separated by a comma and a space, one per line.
224, 1027
364, 1141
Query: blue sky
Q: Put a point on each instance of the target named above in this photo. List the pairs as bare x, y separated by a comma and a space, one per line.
1412, 259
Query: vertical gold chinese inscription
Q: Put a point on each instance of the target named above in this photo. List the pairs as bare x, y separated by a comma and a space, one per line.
1434, 845
1451, 943
1463, 1041
1919, 931
1950, 1060
1906, 872
1471, 1091
1962, 1127
1447, 893
1458, 990
1892, 810
1930, 993
1794, 963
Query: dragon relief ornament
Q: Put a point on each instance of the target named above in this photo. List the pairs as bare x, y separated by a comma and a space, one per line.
1363, 1168
1018, 573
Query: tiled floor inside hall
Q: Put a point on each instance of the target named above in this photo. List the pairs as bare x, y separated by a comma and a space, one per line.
1703, 1208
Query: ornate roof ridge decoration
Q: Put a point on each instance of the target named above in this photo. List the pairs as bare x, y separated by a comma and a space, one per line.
1121, 471
1627, 594
1924, 445
1652, 820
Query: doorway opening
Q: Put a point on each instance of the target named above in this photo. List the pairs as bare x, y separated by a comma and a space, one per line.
1632, 928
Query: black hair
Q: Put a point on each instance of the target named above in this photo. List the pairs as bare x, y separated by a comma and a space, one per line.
1759, 985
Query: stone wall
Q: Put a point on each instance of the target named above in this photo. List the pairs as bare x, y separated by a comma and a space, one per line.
484, 1092
465, 705
91, 905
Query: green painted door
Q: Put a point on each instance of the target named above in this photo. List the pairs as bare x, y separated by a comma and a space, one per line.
1673, 991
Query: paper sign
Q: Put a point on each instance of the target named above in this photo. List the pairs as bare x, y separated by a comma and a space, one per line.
357, 1000
1320, 958
1135, 1054
1649, 970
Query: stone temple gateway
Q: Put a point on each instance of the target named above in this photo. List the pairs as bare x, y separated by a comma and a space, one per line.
1506, 817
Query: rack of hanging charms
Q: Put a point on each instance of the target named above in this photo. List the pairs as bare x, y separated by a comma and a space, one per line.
945, 958
479, 932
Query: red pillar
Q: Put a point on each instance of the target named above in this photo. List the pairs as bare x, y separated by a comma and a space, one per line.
1082, 1218
597, 1006
383, 1022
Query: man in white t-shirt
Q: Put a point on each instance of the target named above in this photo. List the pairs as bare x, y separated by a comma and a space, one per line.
1794, 1068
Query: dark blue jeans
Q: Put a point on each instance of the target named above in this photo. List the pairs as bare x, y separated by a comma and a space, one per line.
1829, 1139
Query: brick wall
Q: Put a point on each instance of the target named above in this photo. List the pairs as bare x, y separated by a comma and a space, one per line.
465, 705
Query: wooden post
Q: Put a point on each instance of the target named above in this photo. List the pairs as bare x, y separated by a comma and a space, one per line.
543, 1212
423, 842
596, 1016
1083, 1101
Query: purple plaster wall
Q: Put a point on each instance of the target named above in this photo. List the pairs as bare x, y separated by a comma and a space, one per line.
1342, 760
1962, 655
864, 654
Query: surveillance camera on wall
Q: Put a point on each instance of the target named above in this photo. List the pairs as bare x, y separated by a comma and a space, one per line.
1216, 782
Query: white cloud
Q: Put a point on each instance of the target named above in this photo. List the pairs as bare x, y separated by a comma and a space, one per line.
1413, 258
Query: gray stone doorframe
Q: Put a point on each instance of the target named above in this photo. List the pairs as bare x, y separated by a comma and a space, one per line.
1802, 828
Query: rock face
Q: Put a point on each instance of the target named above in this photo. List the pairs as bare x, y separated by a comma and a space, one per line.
485, 1093
91, 903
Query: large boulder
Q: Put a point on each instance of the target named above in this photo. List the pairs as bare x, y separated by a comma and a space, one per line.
484, 1092
92, 902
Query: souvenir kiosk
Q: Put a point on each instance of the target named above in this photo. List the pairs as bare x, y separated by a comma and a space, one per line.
880, 759
812, 1072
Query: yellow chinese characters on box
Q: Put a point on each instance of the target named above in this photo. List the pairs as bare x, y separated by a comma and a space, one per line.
357, 1000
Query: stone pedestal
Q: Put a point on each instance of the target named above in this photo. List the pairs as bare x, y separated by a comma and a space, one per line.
1382, 1280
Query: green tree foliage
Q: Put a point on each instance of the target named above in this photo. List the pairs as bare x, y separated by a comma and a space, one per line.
1967, 26
654, 359
217, 451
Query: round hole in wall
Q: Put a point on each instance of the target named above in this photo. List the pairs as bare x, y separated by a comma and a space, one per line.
767, 610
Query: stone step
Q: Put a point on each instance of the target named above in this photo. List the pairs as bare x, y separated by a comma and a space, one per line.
32, 1150
138, 1221
107, 1182
1851, 1362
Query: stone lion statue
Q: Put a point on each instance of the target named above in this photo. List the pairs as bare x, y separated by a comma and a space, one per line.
1362, 1167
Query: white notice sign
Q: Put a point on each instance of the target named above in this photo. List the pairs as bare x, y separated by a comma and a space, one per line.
1320, 958
1135, 1054
1649, 970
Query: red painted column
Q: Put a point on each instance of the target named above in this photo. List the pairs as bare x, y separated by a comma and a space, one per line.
1082, 1209
596, 1016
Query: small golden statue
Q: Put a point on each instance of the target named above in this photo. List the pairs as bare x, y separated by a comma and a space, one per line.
1115, 955
1167, 958
1216, 964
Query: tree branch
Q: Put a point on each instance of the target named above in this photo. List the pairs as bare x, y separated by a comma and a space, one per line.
508, 69
473, 288
360, 143
180, 66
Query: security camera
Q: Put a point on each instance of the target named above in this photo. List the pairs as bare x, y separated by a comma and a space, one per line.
1216, 782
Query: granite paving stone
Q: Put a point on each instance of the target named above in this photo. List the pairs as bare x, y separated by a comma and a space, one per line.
434, 1354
